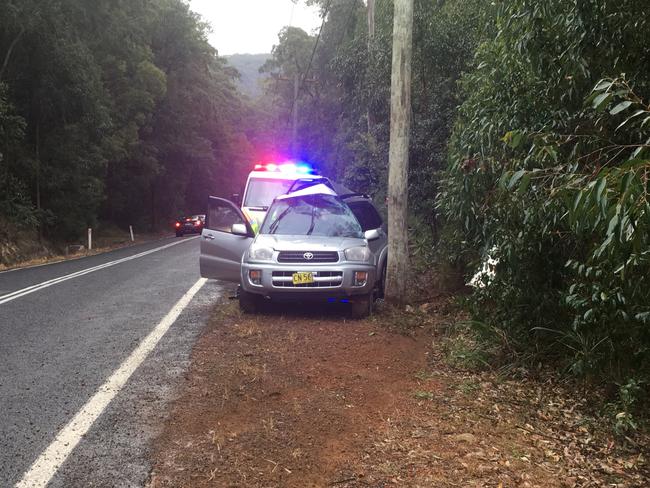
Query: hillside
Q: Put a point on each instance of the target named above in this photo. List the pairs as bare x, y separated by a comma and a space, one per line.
248, 66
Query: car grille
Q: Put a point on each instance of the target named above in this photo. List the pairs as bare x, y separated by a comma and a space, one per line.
322, 279
316, 257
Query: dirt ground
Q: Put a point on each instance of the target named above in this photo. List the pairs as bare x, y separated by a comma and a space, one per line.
310, 398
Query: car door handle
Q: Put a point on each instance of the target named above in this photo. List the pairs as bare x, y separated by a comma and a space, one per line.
208, 236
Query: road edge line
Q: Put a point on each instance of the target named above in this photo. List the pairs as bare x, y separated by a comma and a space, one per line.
52, 458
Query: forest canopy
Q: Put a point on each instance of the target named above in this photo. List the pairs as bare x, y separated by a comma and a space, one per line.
118, 111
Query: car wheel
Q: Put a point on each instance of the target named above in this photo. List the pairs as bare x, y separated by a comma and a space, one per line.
249, 302
179, 234
362, 307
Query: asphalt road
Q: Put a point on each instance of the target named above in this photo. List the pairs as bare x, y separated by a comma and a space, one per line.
60, 341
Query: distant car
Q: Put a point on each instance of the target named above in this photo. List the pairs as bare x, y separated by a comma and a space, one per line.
311, 246
189, 225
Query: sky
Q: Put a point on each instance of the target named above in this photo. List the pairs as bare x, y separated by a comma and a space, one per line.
252, 26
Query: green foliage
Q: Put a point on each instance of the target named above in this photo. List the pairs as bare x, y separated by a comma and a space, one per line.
548, 174
118, 110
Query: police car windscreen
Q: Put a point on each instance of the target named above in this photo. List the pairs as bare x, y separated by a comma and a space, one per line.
262, 191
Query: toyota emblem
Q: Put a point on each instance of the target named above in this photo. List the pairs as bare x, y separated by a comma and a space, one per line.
308, 256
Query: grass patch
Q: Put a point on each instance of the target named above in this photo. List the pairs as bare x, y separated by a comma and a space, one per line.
423, 395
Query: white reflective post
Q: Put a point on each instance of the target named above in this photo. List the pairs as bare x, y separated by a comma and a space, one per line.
90, 239
131, 231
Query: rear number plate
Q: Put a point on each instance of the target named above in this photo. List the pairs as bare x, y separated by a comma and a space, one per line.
302, 278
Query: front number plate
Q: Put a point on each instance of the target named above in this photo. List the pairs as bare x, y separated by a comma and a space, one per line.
303, 277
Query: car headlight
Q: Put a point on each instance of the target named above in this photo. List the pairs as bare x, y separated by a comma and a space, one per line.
359, 253
260, 253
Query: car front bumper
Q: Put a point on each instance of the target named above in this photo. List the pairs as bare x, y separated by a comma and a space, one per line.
331, 281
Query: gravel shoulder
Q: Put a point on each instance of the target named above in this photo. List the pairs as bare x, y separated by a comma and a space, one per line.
309, 398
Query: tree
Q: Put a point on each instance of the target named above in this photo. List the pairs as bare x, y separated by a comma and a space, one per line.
398, 259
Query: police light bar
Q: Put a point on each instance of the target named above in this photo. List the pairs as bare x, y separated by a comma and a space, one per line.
289, 167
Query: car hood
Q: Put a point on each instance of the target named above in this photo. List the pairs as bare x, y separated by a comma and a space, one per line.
308, 243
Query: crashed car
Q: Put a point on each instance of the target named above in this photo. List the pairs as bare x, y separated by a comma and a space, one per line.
311, 246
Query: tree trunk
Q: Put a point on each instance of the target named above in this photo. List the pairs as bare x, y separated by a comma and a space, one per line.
400, 121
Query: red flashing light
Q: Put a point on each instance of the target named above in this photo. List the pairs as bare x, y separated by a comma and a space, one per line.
178, 224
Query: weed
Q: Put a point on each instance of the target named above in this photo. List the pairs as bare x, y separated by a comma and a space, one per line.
423, 395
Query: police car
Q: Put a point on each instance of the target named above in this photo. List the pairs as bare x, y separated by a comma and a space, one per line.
269, 180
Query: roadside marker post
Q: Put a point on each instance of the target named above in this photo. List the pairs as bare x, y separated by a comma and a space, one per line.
131, 231
90, 239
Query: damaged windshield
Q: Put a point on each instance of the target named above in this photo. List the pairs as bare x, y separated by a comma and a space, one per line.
318, 215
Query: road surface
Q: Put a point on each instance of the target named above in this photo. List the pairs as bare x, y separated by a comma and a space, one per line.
67, 328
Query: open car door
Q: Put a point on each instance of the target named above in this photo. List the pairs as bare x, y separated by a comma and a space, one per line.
226, 235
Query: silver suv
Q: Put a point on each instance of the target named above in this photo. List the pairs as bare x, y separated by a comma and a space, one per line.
312, 245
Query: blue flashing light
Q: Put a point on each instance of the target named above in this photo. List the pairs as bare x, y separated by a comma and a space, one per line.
304, 169
345, 300
331, 300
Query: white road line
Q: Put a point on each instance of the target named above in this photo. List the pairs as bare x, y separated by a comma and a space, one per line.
31, 289
47, 464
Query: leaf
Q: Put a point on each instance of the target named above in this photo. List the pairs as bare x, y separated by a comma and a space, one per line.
525, 182
603, 85
602, 183
600, 102
515, 178
620, 107
513, 138
613, 223
635, 114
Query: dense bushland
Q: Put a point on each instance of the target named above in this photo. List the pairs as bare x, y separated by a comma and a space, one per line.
548, 175
113, 110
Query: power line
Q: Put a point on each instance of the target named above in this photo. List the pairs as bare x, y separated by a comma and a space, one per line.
311, 58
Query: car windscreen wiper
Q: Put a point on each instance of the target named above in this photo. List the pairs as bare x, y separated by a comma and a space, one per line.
260, 208
274, 225
313, 222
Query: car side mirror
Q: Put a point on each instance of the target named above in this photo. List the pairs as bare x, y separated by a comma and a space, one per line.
239, 230
235, 198
371, 234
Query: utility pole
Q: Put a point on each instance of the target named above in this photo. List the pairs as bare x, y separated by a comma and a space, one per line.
371, 57
297, 85
398, 157
294, 115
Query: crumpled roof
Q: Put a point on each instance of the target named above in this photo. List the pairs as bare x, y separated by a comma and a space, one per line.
319, 189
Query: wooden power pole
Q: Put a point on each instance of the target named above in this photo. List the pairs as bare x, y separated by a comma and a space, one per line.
398, 157
371, 58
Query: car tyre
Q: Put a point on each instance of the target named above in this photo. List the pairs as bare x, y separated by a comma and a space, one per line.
179, 234
249, 302
362, 306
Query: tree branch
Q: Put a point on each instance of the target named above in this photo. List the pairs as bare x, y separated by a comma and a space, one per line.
10, 50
